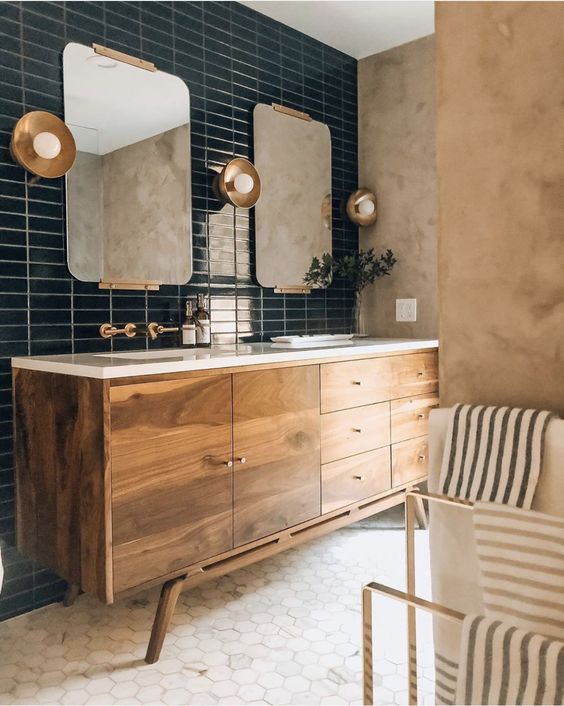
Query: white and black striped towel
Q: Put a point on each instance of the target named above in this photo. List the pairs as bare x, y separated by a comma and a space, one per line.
493, 453
521, 556
501, 664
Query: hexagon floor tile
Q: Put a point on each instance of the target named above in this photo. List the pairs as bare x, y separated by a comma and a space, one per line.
283, 631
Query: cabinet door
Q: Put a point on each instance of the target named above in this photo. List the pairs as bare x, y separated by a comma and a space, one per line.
277, 450
171, 482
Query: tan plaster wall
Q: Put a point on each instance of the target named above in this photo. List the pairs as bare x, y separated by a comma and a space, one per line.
500, 146
397, 160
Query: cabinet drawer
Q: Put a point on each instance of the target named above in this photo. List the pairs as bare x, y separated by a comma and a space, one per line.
410, 416
352, 479
354, 383
353, 431
409, 461
415, 374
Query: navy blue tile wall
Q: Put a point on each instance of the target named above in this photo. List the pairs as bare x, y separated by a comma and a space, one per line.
231, 58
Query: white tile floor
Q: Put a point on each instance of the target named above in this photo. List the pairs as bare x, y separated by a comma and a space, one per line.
284, 631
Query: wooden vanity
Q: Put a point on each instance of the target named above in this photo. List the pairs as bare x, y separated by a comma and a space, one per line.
173, 478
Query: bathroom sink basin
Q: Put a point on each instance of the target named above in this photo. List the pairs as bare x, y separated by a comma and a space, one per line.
170, 354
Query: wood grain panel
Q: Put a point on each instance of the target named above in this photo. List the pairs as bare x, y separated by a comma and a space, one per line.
415, 374
354, 383
62, 470
354, 431
409, 461
171, 485
410, 416
276, 431
352, 479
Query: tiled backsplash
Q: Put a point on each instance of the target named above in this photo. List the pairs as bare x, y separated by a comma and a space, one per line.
231, 58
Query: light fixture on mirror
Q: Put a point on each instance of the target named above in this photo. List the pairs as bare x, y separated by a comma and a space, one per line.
43, 144
361, 207
238, 183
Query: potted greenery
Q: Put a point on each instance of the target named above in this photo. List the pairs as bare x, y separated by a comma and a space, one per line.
359, 268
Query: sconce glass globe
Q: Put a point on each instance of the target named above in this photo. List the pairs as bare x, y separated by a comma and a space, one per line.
47, 145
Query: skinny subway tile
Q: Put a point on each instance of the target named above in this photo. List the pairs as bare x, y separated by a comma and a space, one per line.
230, 57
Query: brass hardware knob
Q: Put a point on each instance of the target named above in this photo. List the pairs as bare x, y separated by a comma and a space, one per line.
229, 463
357, 382
360, 478
358, 430
107, 330
420, 416
420, 459
242, 460
419, 373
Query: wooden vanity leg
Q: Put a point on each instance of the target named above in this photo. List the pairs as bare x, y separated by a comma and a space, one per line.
71, 594
167, 603
421, 514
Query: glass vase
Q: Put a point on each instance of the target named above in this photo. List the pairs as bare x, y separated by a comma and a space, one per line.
358, 321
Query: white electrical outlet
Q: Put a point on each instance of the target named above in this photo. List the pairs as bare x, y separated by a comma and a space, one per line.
406, 309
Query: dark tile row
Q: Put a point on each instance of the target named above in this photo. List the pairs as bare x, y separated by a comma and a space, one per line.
231, 58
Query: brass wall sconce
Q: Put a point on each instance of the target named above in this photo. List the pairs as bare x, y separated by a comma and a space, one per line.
43, 144
238, 183
361, 207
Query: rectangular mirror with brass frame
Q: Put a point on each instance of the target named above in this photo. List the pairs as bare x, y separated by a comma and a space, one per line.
129, 222
293, 214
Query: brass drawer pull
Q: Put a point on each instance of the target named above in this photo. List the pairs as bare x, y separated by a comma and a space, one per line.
357, 382
242, 460
419, 373
360, 478
420, 416
229, 464
357, 430
420, 459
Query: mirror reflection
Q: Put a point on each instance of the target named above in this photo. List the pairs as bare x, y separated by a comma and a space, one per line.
293, 214
129, 193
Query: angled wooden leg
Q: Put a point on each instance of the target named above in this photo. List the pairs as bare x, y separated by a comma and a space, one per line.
167, 603
421, 514
71, 594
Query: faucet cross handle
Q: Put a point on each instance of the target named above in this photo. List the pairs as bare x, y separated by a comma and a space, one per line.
108, 330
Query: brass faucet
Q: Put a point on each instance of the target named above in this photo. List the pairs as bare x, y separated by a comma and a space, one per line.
154, 330
108, 330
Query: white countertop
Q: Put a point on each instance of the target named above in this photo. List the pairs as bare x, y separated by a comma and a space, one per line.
176, 360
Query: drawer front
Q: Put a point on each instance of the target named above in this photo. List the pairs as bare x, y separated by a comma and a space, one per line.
354, 383
352, 479
354, 431
410, 416
415, 374
409, 461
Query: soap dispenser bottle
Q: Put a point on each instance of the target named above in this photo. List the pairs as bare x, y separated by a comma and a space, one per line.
203, 324
189, 327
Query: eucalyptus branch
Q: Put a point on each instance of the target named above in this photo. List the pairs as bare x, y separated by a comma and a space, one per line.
359, 268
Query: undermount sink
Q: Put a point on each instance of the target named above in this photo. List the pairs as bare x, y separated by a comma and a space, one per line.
171, 354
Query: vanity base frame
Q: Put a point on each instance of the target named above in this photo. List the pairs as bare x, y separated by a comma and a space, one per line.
174, 479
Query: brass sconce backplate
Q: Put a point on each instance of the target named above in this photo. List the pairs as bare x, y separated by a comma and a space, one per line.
225, 183
353, 207
21, 145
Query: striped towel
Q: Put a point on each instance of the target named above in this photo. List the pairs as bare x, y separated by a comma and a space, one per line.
501, 664
493, 453
521, 555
